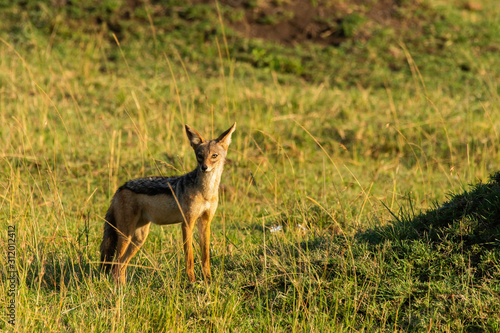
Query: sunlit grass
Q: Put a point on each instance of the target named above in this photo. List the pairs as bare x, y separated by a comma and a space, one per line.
81, 116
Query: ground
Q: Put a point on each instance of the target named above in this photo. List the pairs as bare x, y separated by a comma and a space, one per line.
323, 22
361, 190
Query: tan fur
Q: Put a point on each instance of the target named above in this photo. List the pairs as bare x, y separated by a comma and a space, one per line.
194, 199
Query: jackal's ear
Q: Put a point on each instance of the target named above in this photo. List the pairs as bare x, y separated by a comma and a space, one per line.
194, 137
225, 138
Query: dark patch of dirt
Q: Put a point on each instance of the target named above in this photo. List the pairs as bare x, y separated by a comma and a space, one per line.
291, 22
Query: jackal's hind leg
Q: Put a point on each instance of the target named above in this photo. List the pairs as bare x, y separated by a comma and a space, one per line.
127, 248
119, 265
138, 239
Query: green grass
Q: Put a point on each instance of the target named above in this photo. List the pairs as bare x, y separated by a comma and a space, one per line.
335, 140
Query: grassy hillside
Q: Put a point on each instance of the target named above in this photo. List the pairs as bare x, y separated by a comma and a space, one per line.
350, 138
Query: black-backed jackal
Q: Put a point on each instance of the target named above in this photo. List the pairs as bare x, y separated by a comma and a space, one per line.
167, 200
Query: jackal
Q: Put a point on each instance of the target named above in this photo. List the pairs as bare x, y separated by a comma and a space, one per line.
167, 200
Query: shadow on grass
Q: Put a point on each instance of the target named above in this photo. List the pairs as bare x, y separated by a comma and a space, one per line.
53, 270
467, 224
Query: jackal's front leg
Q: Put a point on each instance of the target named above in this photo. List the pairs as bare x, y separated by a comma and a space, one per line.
187, 237
204, 232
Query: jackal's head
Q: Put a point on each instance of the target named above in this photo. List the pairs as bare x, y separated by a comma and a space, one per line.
210, 154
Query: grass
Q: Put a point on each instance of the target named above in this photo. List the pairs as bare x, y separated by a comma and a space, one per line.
332, 139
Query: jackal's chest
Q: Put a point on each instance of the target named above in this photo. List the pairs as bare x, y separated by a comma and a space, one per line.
198, 205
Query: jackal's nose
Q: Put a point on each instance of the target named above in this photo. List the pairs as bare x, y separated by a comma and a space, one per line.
204, 167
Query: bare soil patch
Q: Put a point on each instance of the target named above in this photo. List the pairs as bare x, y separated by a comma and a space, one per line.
291, 22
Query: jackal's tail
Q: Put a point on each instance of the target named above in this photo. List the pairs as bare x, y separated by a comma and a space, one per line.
109, 240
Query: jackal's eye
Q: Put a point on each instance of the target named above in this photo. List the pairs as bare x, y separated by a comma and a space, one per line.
215, 155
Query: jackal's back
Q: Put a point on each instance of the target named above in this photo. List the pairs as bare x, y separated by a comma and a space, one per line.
158, 185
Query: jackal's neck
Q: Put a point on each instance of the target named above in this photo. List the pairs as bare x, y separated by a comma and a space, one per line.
209, 181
